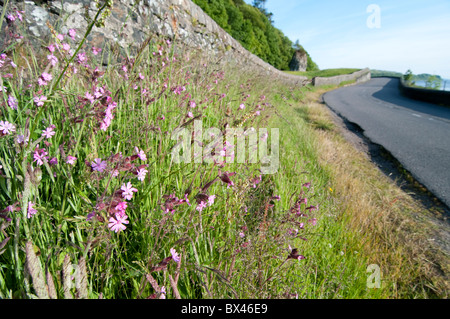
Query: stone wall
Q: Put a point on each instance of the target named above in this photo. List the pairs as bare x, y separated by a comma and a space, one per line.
359, 76
131, 22
427, 95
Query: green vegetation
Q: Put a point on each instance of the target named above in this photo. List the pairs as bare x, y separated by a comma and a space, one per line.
94, 205
382, 73
324, 73
252, 27
424, 80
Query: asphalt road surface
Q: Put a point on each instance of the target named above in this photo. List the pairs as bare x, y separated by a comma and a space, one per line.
416, 133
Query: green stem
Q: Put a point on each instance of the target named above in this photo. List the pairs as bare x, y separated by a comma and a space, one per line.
75, 154
88, 31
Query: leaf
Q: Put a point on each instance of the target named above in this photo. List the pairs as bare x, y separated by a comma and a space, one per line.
49, 170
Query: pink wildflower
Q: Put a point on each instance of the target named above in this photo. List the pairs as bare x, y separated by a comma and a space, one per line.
71, 160
98, 165
53, 59
163, 293
185, 200
225, 177
106, 122
40, 100
51, 48
20, 139
242, 106
211, 200
6, 127
175, 255
66, 47
48, 132
89, 97
127, 191
31, 211
98, 92
117, 224
44, 79
19, 15
81, 57
140, 153
72, 33
200, 206
96, 51
121, 207
108, 116
12, 102
141, 174
40, 155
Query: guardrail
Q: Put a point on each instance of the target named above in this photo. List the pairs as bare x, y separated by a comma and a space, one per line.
358, 76
427, 95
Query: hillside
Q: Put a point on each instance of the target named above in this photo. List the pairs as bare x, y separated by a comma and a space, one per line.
253, 28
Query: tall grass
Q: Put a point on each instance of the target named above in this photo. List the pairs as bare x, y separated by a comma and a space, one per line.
93, 204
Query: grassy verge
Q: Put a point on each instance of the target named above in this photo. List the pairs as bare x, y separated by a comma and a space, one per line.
324, 73
390, 227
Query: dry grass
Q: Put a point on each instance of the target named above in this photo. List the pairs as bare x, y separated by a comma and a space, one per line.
397, 231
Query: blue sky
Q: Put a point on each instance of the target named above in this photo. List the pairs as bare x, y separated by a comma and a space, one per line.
412, 34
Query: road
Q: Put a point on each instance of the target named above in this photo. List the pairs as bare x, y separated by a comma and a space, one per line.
416, 133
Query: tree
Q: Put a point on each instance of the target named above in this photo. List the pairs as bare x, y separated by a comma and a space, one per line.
261, 6
433, 82
408, 77
297, 45
252, 26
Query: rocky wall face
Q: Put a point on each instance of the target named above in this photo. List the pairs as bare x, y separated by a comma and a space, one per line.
299, 61
132, 22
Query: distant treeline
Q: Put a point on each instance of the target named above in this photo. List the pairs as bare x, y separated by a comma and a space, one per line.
253, 27
383, 73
